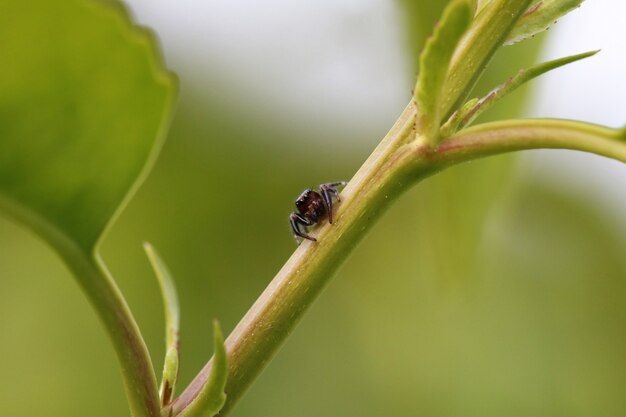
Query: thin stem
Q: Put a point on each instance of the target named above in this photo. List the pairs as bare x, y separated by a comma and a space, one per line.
109, 304
515, 135
136, 366
270, 320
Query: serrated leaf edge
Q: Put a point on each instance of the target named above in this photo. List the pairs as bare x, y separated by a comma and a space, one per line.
536, 20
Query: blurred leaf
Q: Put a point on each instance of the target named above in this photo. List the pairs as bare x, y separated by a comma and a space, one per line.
474, 108
84, 102
172, 319
539, 17
211, 398
434, 62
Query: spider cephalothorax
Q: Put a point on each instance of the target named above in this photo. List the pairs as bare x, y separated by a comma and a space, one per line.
312, 207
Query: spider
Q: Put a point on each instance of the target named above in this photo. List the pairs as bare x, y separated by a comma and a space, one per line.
312, 207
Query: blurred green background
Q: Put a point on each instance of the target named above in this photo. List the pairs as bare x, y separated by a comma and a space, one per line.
481, 292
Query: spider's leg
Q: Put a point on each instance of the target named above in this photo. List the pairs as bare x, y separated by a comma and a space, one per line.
332, 187
334, 184
327, 196
328, 191
296, 220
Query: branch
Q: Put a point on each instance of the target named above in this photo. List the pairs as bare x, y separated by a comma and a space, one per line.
269, 321
515, 135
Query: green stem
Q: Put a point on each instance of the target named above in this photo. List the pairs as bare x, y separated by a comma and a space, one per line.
393, 167
136, 366
109, 304
515, 135
270, 320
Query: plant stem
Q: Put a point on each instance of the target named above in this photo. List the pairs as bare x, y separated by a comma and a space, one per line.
109, 304
136, 366
515, 135
393, 167
272, 317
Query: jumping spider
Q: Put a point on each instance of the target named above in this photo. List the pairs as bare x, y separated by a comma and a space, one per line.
312, 207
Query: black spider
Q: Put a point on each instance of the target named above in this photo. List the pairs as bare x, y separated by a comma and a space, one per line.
313, 207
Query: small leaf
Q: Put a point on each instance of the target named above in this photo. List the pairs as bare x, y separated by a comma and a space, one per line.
211, 397
473, 108
170, 375
434, 62
172, 320
454, 122
419, 17
539, 17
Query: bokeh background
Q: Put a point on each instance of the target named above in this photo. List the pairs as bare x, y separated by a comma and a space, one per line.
494, 289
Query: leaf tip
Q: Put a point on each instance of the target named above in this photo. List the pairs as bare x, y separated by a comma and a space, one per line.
217, 330
211, 397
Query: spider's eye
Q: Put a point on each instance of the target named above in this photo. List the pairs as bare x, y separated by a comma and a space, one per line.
304, 198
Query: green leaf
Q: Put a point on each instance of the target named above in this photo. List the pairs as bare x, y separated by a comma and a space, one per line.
539, 17
211, 397
434, 63
479, 44
170, 375
172, 320
474, 108
419, 18
84, 105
